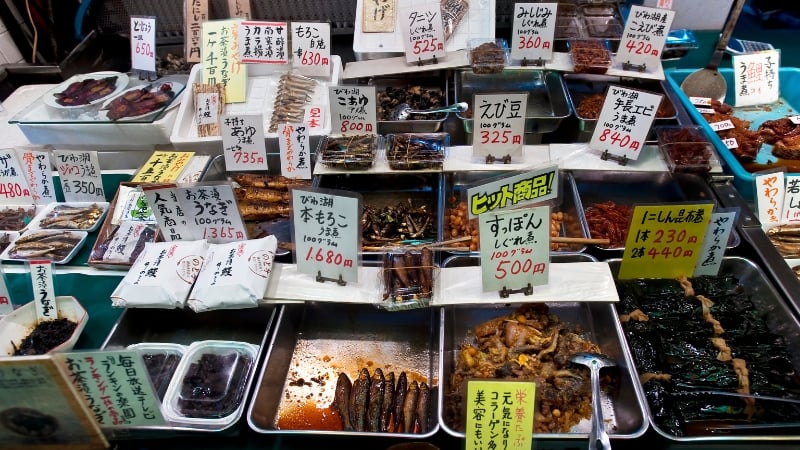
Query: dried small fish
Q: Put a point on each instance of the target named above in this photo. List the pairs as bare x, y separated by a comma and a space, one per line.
359, 396
410, 407
387, 403
68, 217
44, 244
421, 410
294, 93
375, 404
341, 400
400, 393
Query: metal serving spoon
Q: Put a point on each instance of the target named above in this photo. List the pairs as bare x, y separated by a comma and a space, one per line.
598, 437
404, 110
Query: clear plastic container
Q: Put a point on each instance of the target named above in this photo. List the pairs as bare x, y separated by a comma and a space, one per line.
589, 56
603, 27
161, 359
210, 383
417, 151
597, 10
686, 149
355, 152
487, 55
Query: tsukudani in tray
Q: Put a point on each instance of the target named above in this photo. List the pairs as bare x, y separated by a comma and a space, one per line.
60, 246
82, 216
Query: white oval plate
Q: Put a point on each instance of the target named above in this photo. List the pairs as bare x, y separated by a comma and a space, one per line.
50, 99
176, 100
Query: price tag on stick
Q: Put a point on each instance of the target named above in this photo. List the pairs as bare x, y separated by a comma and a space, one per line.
37, 169
79, 171
624, 121
515, 248
14, 188
643, 39
533, 31
243, 142
499, 125
44, 295
327, 233
423, 32
353, 110
143, 44
755, 78
311, 48
295, 156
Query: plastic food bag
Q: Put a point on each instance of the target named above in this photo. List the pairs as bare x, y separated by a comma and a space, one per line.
452, 13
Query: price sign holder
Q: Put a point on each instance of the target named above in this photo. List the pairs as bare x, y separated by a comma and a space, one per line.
79, 171
143, 47
499, 126
263, 42
665, 240
212, 212
423, 33
36, 168
353, 110
532, 33
644, 37
326, 226
486, 400
624, 122
295, 156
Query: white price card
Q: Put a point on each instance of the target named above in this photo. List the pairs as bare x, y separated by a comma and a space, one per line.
327, 232
790, 213
770, 191
714, 243
38, 172
264, 42
44, 295
143, 43
195, 14
207, 108
533, 31
423, 32
499, 124
755, 78
311, 48
243, 142
173, 221
645, 34
240, 9
114, 385
353, 110
379, 16
212, 212
79, 171
515, 191
721, 125
731, 143
515, 248
624, 121
14, 188
5, 297
294, 148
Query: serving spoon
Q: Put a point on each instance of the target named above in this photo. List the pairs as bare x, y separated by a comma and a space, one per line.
404, 110
598, 437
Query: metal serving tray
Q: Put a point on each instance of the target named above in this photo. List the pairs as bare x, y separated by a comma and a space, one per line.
454, 190
780, 320
630, 188
624, 413
584, 85
313, 343
547, 95
436, 80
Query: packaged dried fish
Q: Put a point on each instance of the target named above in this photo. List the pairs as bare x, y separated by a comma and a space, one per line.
70, 216
407, 278
349, 152
294, 93
57, 245
15, 218
416, 151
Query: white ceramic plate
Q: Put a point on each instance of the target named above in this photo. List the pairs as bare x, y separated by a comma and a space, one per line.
121, 83
176, 87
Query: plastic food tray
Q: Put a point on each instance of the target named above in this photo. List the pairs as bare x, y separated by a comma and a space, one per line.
261, 92
30, 211
788, 104
81, 235
160, 370
36, 222
315, 342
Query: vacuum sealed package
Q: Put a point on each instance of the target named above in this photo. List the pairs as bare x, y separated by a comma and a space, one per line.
452, 13
162, 275
234, 275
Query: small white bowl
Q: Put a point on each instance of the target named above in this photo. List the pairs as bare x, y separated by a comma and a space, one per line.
17, 325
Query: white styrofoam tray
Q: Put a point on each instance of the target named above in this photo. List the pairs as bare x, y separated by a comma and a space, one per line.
261, 91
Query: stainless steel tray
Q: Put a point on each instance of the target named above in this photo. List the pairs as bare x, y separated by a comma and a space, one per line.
630, 188
437, 81
454, 191
624, 413
313, 343
547, 95
779, 320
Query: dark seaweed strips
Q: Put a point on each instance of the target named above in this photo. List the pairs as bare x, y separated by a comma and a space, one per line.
675, 341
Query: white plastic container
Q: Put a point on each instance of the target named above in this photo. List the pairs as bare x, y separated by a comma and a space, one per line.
17, 325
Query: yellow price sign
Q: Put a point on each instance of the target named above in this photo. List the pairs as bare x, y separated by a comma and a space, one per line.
163, 167
220, 58
499, 414
665, 241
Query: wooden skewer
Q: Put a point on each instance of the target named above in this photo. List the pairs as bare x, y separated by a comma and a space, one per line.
451, 249
575, 240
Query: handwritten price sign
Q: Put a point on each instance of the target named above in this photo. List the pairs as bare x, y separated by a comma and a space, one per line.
624, 121
644, 36
212, 212
518, 252
756, 80
80, 175
143, 43
353, 109
533, 31
243, 142
423, 32
499, 124
14, 187
311, 48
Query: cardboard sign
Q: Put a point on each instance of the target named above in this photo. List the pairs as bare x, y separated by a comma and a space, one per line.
168, 210
143, 44
353, 110
221, 63
163, 167
240, 9
714, 242
533, 31
311, 48
514, 191
44, 296
264, 42
14, 188
243, 144
423, 32
770, 190
295, 155
36, 168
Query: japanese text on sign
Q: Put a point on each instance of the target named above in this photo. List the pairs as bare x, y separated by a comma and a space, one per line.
313, 117
115, 386
79, 172
644, 36
378, 16
769, 192
163, 167
791, 200
311, 48
755, 78
264, 42
37, 171
326, 232
664, 241
353, 109
516, 252
499, 124
172, 220
243, 142
515, 191
714, 243
624, 121
239, 8
212, 212
196, 13
293, 143
44, 296
221, 63
533, 31
500, 415
207, 108
143, 43
14, 188
423, 32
